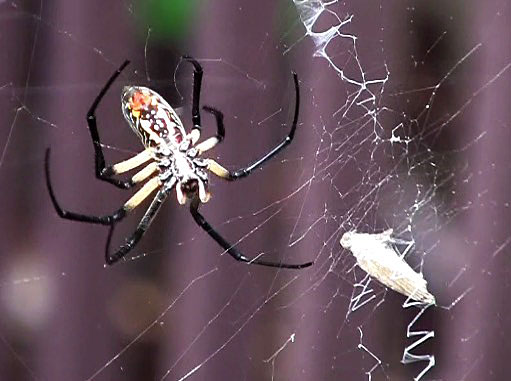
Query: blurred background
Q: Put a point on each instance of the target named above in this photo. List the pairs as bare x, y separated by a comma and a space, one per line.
404, 123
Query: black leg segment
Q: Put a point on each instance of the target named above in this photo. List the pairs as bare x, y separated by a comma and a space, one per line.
229, 248
197, 84
243, 172
219, 117
101, 220
104, 172
142, 227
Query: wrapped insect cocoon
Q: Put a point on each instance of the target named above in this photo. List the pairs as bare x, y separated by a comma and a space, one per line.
377, 256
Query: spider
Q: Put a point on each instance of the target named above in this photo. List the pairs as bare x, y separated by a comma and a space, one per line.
173, 159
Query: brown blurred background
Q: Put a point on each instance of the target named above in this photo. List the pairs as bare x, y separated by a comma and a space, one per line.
425, 152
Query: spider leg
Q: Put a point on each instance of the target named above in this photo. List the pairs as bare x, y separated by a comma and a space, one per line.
145, 173
104, 172
243, 172
110, 219
196, 117
229, 248
142, 227
129, 164
220, 134
197, 84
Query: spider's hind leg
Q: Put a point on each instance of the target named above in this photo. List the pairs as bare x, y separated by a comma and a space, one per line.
142, 227
230, 249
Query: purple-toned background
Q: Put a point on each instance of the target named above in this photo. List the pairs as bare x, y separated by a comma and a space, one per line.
180, 307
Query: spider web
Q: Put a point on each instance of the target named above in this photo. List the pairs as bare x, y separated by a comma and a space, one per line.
404, 125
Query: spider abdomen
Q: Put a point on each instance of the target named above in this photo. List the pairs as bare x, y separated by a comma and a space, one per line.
153, 120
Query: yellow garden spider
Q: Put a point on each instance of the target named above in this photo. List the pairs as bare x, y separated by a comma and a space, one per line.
174, 161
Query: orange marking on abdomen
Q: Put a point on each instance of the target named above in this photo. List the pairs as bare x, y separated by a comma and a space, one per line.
139, 100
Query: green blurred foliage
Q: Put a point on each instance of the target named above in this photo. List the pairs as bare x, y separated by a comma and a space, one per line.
286, 22
168, 19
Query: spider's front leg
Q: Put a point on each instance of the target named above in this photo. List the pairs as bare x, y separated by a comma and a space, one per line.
197, 84
211, 142
104, 172
225, 174
229, 248
196, 116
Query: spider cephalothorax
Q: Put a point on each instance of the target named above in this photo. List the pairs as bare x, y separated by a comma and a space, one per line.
171, 158
190, 173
